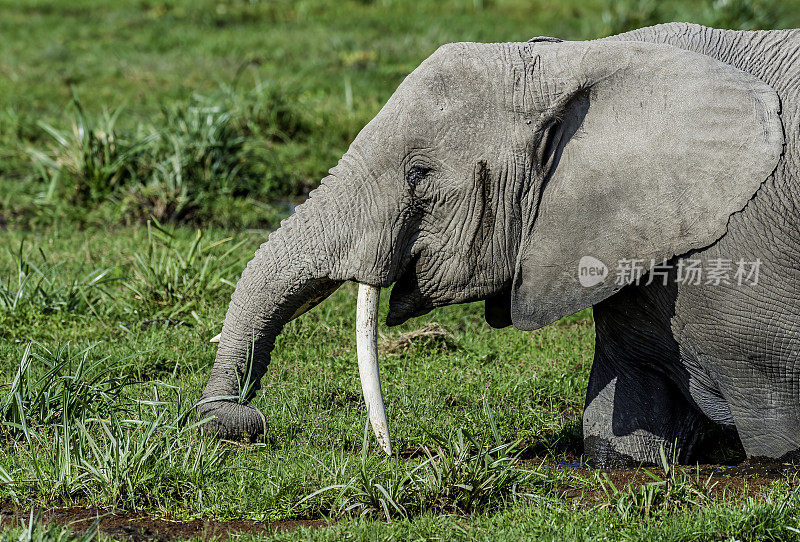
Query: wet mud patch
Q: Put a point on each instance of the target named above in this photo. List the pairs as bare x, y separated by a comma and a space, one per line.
748, 479
141, 527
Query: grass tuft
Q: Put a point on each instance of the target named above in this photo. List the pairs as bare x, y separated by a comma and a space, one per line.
460, 476
677, 489
58, 387
38, 285
168, 281
84, 438
89, 161
36, 531
205, 149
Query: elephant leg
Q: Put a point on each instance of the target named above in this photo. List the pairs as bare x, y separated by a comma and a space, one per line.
761, 394
768, 428
636, 402
747, 338
632, 412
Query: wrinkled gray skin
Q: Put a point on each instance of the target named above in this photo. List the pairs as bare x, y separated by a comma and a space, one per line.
495, 167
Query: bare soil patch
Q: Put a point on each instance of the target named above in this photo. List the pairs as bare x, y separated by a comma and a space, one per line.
748, 479
141, 527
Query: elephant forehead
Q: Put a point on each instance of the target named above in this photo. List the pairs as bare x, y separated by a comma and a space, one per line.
452, 99
446, 98
463, 73
421, 118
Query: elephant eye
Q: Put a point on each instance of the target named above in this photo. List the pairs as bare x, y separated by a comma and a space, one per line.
416, 174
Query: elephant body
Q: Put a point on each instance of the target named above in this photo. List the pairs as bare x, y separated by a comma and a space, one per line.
496, 171
670, 358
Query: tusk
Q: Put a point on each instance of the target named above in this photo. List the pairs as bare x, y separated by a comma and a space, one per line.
367, 347
215, 338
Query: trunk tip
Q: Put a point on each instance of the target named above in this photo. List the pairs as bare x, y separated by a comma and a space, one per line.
229, 420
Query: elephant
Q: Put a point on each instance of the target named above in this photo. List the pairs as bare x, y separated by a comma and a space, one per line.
525, 175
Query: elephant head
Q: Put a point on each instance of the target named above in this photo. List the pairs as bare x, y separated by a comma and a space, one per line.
488, 175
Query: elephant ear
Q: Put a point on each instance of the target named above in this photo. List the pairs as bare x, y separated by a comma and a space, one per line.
645, 151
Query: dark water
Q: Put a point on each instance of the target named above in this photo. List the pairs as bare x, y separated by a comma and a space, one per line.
570, 465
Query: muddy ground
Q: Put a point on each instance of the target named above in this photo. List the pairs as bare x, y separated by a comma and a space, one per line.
747, 479
141, 527
744, 480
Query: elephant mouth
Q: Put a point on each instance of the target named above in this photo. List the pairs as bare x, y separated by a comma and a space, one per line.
497, 309
407, 300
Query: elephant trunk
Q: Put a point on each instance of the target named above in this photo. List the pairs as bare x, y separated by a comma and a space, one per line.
288, 275
297, 268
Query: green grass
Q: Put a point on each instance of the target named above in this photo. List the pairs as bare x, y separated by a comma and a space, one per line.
97, 411
213, 116
34, 530
210, 112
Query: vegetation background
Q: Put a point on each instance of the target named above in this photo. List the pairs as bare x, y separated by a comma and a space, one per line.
146, 150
